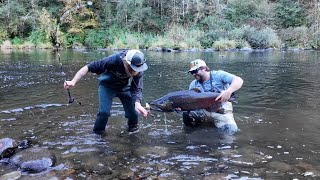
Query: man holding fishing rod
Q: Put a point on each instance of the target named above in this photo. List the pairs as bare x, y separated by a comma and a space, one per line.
213, 81
115, 72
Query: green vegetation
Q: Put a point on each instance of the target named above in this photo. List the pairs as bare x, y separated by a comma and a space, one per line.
149, 24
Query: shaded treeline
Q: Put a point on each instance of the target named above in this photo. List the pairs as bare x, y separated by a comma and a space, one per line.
180, 24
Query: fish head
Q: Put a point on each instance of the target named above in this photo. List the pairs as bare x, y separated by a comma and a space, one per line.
161, 105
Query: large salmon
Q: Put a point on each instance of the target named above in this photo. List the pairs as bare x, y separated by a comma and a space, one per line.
187, 100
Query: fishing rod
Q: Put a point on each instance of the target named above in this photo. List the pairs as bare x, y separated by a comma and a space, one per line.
56, 42
70, 98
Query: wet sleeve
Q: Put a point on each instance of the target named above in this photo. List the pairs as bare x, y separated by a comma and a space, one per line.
100, 66
137, 87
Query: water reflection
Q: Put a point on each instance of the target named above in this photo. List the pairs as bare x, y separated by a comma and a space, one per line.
277, 115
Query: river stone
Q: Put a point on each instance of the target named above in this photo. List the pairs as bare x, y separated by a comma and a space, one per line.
7, 147
279, 166
34, 159
11, 176
126, 174
152, 151
219, 176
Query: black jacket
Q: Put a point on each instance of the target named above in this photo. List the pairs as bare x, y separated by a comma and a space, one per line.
113, 75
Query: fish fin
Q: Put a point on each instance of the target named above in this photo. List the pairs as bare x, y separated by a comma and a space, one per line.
233, 100
196, 90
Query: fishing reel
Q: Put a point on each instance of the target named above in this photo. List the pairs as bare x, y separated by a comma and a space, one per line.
70, 99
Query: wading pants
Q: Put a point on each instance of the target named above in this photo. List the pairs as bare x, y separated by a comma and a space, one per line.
105, 101
224, 122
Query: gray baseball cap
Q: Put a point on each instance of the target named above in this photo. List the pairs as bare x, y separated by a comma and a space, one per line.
135, 59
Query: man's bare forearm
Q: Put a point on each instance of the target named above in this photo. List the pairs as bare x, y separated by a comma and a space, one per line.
82, 72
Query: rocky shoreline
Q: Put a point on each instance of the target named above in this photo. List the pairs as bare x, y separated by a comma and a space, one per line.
7, 46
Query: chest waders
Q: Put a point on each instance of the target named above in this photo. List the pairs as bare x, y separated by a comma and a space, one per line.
223, 119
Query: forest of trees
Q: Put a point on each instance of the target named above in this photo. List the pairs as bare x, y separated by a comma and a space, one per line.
177, 24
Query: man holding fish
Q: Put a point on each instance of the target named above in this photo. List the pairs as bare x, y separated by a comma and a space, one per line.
213, 81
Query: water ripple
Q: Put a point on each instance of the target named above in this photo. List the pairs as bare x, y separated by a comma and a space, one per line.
43, 106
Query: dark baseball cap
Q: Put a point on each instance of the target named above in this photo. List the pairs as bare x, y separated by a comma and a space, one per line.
135, 59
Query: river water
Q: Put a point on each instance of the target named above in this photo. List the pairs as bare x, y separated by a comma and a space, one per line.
277, 113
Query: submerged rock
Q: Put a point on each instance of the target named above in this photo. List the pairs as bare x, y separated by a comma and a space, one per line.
153, 151
279, 166
34, 160
11, 176
7, 147
24, 144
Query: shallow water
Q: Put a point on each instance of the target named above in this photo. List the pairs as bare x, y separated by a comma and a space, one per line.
277, 114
